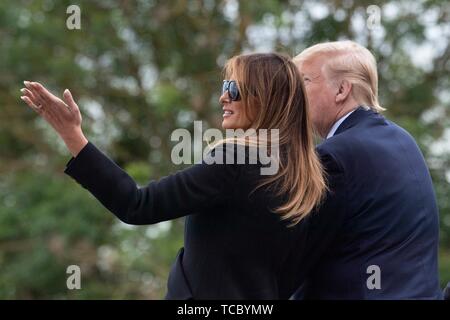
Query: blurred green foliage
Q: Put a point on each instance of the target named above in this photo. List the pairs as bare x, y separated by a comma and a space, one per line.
140, 69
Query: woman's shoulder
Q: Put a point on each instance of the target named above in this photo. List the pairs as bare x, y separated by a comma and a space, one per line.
250, 163
234, 153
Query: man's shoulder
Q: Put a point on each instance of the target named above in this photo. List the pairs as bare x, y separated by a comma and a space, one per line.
355, 141
375, 136
330, 157
340, 146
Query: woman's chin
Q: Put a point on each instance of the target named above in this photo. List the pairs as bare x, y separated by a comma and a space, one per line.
226, 124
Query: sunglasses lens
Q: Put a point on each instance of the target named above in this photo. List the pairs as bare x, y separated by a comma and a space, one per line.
232, 89
225, 86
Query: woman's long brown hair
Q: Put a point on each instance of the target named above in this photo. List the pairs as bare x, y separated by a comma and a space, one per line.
273, 93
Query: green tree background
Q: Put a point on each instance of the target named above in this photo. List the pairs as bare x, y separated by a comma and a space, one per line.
140, 69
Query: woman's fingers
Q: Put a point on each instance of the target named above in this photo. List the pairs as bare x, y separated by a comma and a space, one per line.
45, 95
38, 95
42, 95
31, 104
29, 94
38, 99
28, 85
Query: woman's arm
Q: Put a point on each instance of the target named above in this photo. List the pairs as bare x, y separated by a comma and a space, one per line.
200, 187
185, 192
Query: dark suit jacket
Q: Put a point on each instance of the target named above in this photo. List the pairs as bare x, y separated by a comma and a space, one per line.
390, 221
234, 246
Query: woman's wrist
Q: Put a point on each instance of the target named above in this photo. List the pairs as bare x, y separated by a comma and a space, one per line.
75, 142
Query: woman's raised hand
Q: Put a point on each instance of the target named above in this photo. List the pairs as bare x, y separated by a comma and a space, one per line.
63, 116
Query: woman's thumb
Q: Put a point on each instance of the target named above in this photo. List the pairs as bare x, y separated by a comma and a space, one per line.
69, 99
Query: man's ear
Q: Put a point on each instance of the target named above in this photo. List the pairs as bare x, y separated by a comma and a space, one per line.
344, 90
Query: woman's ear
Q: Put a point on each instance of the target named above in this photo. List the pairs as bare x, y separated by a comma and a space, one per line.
344, 89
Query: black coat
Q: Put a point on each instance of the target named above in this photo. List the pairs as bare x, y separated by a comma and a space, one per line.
235, 247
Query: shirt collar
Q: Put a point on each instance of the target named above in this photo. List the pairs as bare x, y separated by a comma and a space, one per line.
337, 124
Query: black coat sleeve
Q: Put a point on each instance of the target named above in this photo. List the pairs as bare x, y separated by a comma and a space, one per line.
185, 192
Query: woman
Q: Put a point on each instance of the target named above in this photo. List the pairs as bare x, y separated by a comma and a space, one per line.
242, 236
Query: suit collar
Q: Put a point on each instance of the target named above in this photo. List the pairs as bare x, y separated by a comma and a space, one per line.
359, 113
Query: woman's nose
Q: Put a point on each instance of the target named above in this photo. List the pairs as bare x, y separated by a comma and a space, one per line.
224, 98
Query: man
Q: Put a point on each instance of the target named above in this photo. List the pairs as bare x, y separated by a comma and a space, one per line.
383, 242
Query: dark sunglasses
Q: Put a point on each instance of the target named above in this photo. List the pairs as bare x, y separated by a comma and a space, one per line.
232, 88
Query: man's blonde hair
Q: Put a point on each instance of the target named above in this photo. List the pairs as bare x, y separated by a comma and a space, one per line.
350, 61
